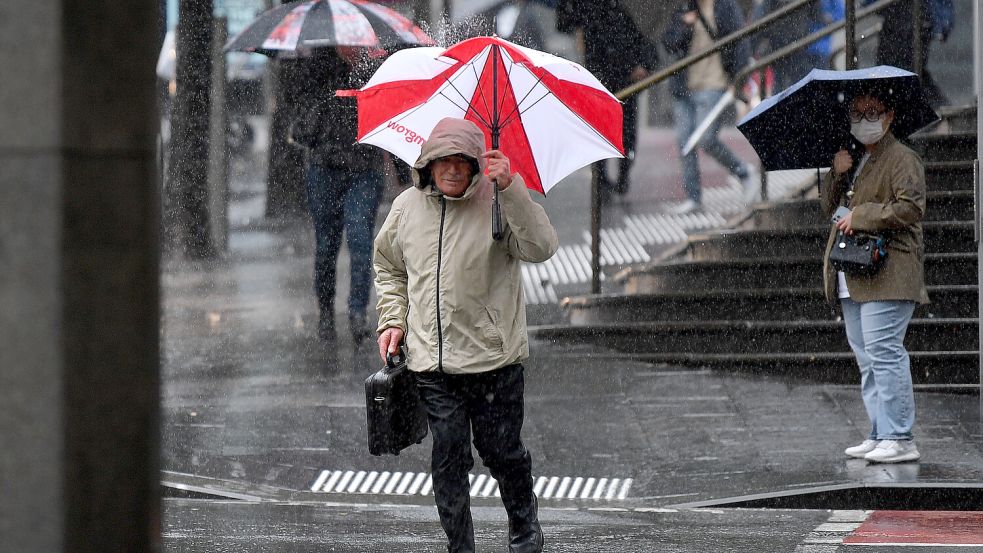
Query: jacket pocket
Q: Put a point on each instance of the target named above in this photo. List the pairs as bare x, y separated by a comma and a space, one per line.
493, 333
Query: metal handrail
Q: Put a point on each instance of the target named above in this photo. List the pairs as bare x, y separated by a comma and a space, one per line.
684, 63
806, 41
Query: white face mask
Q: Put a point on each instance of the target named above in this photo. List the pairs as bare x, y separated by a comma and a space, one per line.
868, 133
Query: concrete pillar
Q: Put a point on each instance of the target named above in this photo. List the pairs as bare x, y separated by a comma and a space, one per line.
78, 276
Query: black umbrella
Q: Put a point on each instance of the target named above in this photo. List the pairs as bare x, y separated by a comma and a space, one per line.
327, 23
805, 125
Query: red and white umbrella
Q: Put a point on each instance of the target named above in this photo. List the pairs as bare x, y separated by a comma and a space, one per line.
549, 115
327, 23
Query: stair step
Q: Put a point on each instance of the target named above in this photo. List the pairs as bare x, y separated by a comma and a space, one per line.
736, 244
777, 272
951, 146
949, 175
946, 205
740, 337
927, 367
959, 118
790, 304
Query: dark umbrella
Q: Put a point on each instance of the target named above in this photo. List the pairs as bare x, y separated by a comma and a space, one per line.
805, 125
327, 23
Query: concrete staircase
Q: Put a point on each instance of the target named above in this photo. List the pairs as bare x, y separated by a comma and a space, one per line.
751, 298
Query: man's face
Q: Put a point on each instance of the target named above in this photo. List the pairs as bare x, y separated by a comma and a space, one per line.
451, 174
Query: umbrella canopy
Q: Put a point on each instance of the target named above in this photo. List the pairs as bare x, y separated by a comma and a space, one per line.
551, 115
805, 125
320, 23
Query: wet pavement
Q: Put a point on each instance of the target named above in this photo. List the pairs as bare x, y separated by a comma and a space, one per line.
624, 453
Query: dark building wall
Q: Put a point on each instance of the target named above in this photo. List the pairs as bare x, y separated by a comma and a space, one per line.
78, 276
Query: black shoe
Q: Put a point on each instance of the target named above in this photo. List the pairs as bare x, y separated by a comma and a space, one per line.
525, 532
530, 541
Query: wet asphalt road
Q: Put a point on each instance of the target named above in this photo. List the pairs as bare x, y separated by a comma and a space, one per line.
250, 395
304, 528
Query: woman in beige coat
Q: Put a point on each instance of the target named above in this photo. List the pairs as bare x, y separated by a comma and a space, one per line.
886, 196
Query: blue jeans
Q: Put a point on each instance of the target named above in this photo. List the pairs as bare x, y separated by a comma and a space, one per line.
876, 332
689, 112
340, 200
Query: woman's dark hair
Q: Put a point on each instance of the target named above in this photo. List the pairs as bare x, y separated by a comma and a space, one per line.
883, 94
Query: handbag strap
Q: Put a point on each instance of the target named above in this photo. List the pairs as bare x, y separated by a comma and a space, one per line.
852, 181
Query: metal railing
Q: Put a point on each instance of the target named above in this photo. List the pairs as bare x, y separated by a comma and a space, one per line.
808, 40
849, 23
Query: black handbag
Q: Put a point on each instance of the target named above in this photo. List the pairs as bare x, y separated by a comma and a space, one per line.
858, 253
394, 412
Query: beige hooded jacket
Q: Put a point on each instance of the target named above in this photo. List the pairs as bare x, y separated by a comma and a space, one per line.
440, 277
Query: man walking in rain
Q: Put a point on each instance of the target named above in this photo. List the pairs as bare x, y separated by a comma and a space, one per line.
455, 296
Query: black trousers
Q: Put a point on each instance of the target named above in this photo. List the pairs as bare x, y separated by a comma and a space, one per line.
491, 405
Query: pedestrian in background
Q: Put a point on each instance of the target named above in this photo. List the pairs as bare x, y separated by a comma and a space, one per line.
886, 195
618, 54
344, 183
795, 26
693, 27
820, 52
455, 295
895, 42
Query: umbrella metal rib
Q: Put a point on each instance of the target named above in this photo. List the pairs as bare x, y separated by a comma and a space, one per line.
514, 114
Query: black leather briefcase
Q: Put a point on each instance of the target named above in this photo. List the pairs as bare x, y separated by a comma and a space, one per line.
394, 412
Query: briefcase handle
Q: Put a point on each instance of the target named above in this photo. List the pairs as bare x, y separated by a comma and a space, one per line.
393, 360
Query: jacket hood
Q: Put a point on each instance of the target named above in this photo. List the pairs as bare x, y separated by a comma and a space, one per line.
451, 136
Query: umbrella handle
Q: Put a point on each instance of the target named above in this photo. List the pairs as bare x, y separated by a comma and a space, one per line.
497, 231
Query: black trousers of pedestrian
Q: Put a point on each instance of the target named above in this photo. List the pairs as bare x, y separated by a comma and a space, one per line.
491, 405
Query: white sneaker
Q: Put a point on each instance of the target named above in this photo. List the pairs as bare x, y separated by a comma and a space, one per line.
689, 206
858, 451
751, 184
893, 451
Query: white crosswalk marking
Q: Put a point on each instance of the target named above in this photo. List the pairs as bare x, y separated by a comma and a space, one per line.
481, 485
627, 244
588, 485
828, 536
359, 476
369, 480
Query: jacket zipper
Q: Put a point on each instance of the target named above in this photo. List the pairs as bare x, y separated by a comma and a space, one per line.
440, 249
